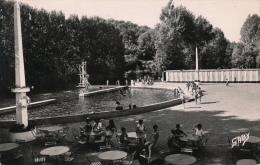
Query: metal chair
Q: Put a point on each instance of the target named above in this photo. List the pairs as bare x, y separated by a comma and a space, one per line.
186, 150
228, 158
121, 146
134, 142
62, 134
39, 159
165, 153
70, 156
129, 161
18, 153
37, 134
91, 156
79, 143
99, 142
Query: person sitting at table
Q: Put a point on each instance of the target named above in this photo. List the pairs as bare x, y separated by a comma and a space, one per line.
124, 137
108, 134
152, 140
97, 126
88, 127
140, 155
111, 126
172, 142
179, 132
140, 128
199, 132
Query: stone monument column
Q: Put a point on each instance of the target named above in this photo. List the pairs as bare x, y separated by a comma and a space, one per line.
22, 101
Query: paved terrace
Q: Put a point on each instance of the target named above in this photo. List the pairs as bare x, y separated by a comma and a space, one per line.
224, 111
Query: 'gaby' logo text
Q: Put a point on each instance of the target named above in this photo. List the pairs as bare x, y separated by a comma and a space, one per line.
240, 140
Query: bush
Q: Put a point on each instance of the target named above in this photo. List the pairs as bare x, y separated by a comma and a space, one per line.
20, 128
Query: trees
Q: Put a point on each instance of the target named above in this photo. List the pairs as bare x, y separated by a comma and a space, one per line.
250, 36
53, 46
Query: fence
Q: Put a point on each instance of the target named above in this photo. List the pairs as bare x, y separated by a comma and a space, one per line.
215, 76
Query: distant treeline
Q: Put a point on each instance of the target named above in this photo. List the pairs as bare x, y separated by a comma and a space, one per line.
115, 50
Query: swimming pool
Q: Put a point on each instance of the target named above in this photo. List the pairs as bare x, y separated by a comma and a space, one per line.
69, 103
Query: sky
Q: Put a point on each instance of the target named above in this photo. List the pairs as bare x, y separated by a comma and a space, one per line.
228, 15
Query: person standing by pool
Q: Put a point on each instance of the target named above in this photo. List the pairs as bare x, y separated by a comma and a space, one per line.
199, 94
227, 83
182, 97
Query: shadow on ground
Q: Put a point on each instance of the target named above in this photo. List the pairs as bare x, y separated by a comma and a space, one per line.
218, 127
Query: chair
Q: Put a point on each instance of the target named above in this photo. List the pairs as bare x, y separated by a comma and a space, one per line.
19, 141
39, 159
204, 144
228, 158
107, 162
37, 134
18, 153
133, 142
192, 144
99, 142
51, 143
48, 136
121, 146
79, 142
105, 147
130, 160
165, 153
70, 156
92, 158
62, 134
187, 150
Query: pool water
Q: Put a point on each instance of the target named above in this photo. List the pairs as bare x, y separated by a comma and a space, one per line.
69, 103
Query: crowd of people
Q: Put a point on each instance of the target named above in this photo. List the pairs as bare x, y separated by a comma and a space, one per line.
110, 129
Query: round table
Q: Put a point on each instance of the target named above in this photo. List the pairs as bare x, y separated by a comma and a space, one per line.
52, 128
134, 135
253, 139
8, 146
180, 159
246, 162
112, 155
93, 133
190, 137
55, 151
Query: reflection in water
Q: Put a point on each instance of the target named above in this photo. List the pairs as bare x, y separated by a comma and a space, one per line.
69, 103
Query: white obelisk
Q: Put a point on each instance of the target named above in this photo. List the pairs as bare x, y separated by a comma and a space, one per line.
20, 89
197, 64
